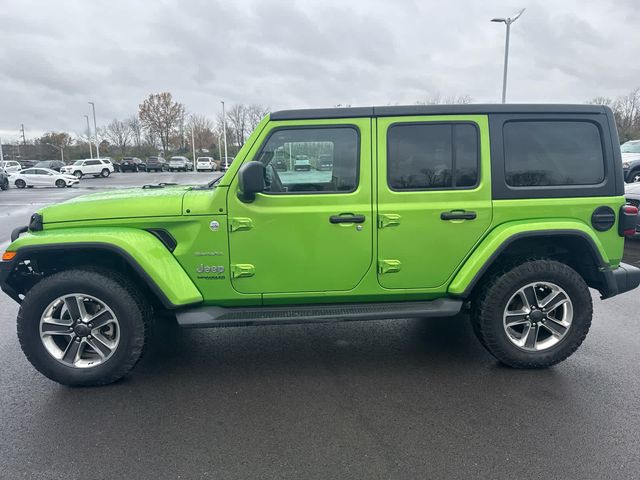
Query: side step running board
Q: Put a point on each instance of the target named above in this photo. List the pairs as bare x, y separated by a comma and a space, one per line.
199, 317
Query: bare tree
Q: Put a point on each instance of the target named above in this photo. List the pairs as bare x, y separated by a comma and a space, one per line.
255, 114
162, 117
437, 99
601, 101
136, 130
203, 134
119, 134
237, 118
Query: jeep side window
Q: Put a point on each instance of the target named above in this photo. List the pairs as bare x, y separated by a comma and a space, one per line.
306, 160
432, 156
539, 153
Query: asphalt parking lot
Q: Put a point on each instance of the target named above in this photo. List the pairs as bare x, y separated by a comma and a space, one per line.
403, 399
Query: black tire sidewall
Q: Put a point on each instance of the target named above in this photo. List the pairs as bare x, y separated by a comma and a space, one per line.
125, 306
21, 183
490, 317
60, 183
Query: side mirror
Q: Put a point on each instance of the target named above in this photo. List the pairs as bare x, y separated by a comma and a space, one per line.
250, 181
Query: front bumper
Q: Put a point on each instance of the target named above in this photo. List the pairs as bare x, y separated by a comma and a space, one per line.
623, 279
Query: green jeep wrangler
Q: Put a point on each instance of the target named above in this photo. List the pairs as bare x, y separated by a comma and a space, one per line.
513, 211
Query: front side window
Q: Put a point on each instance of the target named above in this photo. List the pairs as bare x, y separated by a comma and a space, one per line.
303, 160
432, 156
545, 153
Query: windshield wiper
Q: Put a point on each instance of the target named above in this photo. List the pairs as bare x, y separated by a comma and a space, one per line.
159, 185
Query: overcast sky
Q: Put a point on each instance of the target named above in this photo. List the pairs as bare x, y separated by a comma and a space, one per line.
56, 56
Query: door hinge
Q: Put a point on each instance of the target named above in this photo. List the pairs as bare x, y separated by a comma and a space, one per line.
240, 270
240, 223
388, 220
389, 266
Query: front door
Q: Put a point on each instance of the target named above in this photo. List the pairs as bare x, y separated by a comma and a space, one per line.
312, 229
434, 196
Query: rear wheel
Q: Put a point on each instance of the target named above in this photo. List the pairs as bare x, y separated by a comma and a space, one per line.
60, 183
105, 172
533, 315
83, 327
21, 183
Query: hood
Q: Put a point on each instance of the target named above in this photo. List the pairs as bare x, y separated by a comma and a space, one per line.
632, 188
128, 203
630, 157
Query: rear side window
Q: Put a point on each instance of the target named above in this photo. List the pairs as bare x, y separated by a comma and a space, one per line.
432, 156
543, 153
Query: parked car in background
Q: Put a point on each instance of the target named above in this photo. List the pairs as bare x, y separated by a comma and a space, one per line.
323, 161
632, 195
156, 164
205, 164
631, 161
132, 164
98, 167
179, 163
225, 163
50, 164
4, 180
301, 163
28, 163
280, 164
42, 177
10, 166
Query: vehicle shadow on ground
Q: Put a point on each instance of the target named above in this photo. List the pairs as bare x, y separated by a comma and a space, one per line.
352, 347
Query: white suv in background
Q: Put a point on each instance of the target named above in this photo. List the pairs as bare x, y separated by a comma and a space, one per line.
205, 164
10, 166
98, 167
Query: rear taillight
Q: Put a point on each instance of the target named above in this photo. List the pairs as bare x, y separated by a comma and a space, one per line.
628, 220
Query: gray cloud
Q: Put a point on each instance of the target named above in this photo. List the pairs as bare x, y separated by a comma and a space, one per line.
285, 54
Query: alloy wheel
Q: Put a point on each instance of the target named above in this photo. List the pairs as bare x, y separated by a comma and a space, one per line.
79, 330
538, 316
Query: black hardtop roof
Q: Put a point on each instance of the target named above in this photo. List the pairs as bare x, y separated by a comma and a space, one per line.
404, 110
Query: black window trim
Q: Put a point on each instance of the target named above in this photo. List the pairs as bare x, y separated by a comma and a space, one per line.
611, 186
559, 185
316, 127
453, 155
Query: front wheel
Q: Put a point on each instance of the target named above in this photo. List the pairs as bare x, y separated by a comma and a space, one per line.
533, 315
78, 174
634, 176
5, 184
83, 327
21, 183
60, 183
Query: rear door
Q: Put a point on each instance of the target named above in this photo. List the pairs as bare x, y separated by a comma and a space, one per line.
434, 196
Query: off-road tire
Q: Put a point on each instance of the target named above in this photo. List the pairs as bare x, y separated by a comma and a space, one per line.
490, 300
132, 310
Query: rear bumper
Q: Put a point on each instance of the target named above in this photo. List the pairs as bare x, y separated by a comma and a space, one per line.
623, 279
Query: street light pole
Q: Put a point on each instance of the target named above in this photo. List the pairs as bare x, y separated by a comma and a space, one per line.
224, 132
193, 146
95, 129
89, 136
507, 21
